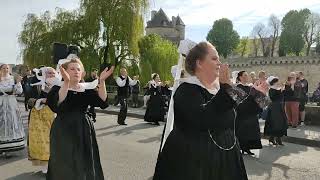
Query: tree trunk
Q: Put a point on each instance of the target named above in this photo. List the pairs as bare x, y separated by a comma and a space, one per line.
308, 50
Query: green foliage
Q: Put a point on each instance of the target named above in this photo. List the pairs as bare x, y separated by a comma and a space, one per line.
293, 27
223, 37
106, 31
122, 24
243, 47
156, 56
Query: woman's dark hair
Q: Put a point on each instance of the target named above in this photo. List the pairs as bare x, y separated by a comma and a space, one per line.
239, 75
275, 80
196, 53
154, 76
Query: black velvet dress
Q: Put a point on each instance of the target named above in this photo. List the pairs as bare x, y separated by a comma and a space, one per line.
276, 122
202, 122
74, 153
155, 107
248, 128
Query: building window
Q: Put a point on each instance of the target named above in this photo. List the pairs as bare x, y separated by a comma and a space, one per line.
164, 23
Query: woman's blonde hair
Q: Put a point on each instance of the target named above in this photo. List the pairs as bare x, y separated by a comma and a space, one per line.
74, 60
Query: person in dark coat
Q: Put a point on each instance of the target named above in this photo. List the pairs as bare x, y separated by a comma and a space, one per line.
248, 128
74, 152
91, 110
202, 144
135, 92
276, 124
155, 106
303, 96
316, 95
29, 91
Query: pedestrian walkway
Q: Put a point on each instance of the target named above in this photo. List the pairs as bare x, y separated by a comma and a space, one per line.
304, 135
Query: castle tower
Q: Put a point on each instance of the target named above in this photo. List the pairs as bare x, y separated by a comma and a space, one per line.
180, 26
173, 30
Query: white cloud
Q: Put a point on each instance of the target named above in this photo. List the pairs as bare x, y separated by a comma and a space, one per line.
244, 14
13, 14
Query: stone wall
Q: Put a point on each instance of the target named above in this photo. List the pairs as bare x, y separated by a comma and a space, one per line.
281, 67
171, 34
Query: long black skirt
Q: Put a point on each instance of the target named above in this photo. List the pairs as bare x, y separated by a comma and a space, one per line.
155, 109
194, 156
276, 122
248, 132
74, 153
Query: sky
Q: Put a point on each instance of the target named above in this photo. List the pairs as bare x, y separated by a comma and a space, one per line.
198, 15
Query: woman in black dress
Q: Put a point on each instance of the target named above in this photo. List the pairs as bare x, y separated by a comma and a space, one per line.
155, 106
276, 122
248, 129
202, 144
74, 153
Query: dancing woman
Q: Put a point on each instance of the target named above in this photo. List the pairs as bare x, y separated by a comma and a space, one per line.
40, 120
11, 126
248, 129
74, 153
202, 144
155, 106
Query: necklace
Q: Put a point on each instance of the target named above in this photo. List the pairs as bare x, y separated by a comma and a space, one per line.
234, 135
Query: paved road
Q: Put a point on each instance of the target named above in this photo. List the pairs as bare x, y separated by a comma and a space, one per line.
129, 153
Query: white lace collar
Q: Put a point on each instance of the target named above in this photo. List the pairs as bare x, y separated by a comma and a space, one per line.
196, 81
83, 86
275, 87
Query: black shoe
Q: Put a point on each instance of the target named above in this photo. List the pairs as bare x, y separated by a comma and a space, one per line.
122, 124
279, 141
156, 123
249, 152
271, 140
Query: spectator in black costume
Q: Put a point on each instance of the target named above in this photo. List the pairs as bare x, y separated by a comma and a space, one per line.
276, 124
135, 92
29, 90
91, 110
202, 144
248, 129
124, 82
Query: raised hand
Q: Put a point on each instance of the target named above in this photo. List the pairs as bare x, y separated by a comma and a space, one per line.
106, 73
64, 74
263, 87
224, 74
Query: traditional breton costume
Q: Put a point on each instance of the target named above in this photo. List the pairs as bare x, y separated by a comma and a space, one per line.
199, 140
40, 120
276, 124
11, 126
74, 153
248, 128
155, 107
123, 94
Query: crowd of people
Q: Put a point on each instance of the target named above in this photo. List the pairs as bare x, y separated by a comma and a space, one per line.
216, 116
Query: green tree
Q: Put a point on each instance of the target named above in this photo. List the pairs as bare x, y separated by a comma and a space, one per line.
122, 26
156, 56
293, 27
223, 36
274, 25
243, 47
312, 27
